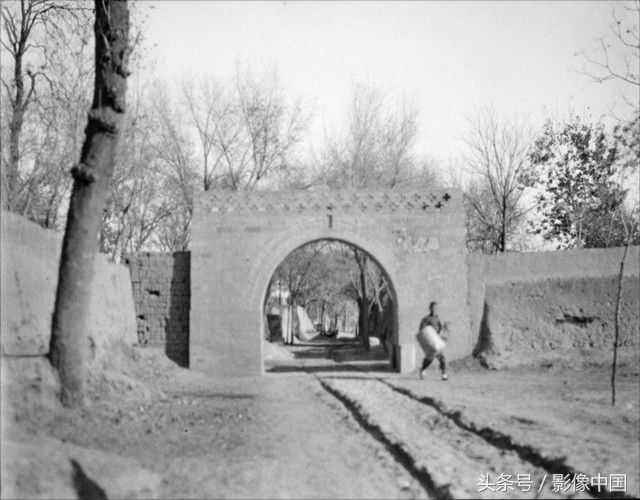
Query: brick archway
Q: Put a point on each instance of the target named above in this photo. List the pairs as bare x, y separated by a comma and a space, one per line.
266, 263
239, 238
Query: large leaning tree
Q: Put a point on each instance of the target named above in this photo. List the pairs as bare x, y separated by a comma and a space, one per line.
92, 177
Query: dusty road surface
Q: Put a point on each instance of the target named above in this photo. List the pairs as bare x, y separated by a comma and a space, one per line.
316, 428
281, 436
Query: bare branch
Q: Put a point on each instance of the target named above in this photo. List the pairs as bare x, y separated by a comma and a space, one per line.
497, 153
618, 56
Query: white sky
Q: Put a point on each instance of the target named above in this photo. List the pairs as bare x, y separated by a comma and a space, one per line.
449, 58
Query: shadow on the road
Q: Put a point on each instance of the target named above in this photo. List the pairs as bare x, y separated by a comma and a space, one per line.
323, 351
330, 341
340, 367
340, 356
351, 377
216, 395
320, 353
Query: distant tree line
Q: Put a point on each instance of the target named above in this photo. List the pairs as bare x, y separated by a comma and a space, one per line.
565, 184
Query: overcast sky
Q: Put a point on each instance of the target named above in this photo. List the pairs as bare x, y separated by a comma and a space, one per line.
449, 58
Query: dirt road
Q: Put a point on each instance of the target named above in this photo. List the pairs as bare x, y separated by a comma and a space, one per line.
279, 436
315, 428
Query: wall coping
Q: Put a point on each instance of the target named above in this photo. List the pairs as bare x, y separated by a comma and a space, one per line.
574, 263
329, 201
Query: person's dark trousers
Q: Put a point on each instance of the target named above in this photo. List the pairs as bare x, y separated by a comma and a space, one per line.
441, 359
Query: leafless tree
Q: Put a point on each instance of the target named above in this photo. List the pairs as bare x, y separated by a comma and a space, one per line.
299, 273
211, 112
55, 125
482, 218
151, 198
246, 131
136, 205
92, 178
270, 129
367, 286
497, 153
174, 159
617, 57
628, 139
25, 24
376, 149
630, 230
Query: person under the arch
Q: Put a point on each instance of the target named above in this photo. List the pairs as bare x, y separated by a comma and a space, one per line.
431, 341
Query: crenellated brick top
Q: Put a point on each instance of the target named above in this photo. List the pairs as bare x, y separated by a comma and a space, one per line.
314, 201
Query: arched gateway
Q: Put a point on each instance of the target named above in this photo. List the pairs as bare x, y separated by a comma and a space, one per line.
239, 238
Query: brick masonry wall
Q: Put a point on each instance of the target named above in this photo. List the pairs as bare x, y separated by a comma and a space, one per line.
161, 294
239, 238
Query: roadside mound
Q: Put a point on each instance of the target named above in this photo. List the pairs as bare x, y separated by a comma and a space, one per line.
119, 383
31, 386
130, 372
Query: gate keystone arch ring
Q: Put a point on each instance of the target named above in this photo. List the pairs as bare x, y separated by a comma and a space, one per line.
239, 238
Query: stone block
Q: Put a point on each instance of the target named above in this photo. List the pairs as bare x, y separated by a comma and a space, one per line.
405, 358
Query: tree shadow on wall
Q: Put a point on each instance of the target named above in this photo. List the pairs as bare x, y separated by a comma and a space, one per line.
485, 344
86, 488
177, 321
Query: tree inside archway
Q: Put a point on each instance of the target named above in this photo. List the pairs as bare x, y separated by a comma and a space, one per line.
331, 280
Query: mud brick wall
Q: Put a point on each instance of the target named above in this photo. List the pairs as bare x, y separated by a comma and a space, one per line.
161, 294
29, 277
524, 304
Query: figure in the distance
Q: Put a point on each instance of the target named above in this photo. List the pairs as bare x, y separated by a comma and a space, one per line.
430, 339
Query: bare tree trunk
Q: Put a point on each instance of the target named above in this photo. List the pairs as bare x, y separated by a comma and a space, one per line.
364, 320
363, 301
291, 323
503, 228
18, 107
92, 178
617, 322
15, 130
579, 240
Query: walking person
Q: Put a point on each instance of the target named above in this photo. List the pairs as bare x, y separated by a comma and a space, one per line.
431, 342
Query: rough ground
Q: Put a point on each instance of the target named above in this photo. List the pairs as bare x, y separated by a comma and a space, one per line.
278, 436
315, 427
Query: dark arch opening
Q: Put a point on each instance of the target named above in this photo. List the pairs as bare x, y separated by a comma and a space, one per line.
329, 305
